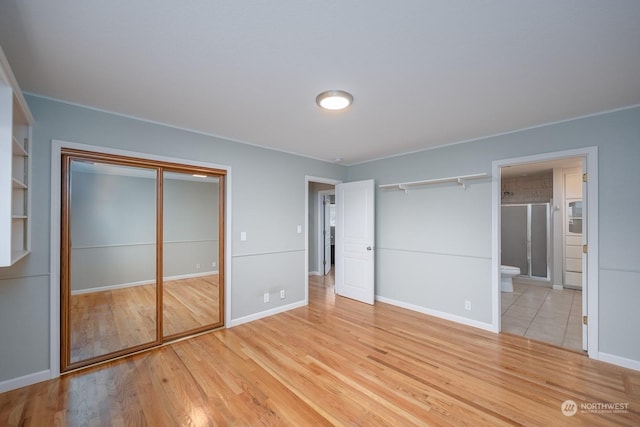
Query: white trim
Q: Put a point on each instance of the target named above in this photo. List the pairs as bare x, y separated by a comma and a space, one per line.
266, 313
314, 273
140, 283
591, 155
54, 283
170, 126
308, 179
119, 245
494, 135
25, 380
440, 314
620, 361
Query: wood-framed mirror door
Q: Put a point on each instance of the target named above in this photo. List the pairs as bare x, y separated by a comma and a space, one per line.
192, 252
142, 253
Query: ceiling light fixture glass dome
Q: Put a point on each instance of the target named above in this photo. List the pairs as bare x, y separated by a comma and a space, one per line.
334, 100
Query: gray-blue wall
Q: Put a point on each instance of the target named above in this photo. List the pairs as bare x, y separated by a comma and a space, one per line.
268, 191
434, 244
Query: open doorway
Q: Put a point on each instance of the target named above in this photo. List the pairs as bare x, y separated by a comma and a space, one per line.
326, 231
543, 210
320, 235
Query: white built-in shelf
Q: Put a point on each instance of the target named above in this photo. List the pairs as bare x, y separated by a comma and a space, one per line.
461, 180
18, 255
17, 184
18, 150
15, 166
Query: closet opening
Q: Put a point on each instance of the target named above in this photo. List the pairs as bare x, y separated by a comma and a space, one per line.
142, 254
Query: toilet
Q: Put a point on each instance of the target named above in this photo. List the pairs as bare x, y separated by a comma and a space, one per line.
507, 273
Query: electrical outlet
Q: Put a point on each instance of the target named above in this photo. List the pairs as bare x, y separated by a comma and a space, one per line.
213, 264
197, 266
282, 294
266, 297
467, 305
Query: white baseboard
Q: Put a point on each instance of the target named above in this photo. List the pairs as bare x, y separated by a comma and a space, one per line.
314, 273
441, 314
558, 287
267, 313
620, 361
189, 276
140, 283
25, 380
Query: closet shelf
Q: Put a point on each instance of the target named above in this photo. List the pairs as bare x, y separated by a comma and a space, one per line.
18, 150
17, 184
461, 180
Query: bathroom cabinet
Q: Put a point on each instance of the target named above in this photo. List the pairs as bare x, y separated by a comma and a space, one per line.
15, 169
573, 228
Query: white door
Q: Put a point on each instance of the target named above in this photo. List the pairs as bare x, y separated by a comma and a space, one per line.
326, 232
355, 259
585, 263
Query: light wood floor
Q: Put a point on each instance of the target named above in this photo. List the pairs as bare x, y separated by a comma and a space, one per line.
108, 321
335, 362
190, 304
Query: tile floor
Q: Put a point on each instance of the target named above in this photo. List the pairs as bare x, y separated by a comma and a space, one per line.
544, 314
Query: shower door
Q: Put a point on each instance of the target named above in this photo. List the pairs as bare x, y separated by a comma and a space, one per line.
526, 238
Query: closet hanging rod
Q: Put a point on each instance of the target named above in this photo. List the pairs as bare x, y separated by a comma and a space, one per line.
461, 180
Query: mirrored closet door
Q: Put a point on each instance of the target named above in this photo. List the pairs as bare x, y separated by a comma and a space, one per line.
191, 255
142, 255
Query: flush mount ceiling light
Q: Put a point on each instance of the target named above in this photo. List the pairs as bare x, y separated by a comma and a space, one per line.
334, 100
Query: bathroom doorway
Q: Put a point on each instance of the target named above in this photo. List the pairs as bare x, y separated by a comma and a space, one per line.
540, 207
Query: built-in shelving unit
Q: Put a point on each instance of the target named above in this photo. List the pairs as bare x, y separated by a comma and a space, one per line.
15, 169
461, 180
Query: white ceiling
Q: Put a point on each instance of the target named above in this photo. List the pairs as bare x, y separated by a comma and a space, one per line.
423, 73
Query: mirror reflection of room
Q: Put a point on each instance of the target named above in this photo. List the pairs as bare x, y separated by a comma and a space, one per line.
137, 273
113, 258
190, 252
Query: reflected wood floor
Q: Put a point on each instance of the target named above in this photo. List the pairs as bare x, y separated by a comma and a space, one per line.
190, 304
335, 362
108, 321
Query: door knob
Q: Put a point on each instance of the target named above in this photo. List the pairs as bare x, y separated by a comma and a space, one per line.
369, 248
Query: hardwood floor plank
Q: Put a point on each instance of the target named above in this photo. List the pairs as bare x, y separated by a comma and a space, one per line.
335, 362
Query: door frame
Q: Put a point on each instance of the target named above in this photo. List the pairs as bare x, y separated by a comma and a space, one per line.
307, 180
55, 227
591, 157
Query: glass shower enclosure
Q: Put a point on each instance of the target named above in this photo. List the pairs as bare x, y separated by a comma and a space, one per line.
526, 238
